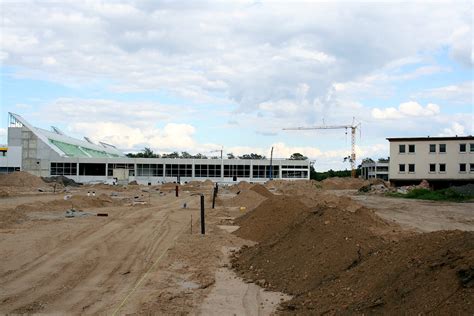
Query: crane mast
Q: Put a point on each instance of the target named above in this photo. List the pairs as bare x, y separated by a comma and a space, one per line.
353, 128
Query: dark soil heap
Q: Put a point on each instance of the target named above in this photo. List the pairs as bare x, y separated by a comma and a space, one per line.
338, 258
426, 273
309, 248
270, 217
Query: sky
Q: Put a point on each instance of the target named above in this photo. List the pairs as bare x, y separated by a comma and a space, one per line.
198, 76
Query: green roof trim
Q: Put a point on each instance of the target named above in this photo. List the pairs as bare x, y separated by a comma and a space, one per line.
80, 152
69, 149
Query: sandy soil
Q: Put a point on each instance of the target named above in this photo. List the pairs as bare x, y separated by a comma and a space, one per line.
140, 259
147, 256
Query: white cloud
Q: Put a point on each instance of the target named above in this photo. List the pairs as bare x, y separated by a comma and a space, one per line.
407, 109
462, 93
455, 129
251, 53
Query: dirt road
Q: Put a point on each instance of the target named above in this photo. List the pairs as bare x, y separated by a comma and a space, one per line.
87, 264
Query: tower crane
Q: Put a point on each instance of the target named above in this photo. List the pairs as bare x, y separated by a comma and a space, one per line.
353, 127
218, 150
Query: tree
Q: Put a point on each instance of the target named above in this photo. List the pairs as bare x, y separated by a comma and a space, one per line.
252, 156
230, 156
145, 153
186, 155
172, 155
199, 156
298, 156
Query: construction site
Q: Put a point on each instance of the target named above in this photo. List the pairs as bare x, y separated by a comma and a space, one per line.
279, 247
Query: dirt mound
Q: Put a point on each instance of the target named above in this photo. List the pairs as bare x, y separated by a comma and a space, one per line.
247, 198
243, 185
260, 189
343, 183
432, 272
297, 188
338, 257
62, 180
21, 179
308, 248
270, 217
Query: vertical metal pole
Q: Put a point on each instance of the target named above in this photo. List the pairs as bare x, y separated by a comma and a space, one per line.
177, 190
203, 224
271, 165
214, 197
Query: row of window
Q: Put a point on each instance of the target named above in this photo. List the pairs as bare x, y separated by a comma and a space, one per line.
63, 169
294, 167
432, 148
174, 170
432, 167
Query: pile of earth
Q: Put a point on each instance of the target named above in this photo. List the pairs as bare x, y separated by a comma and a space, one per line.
270, 217
246, 198
346, 183
260, 189
300, 187
243, 185
21, 179
337, 257
422, 274
62, 180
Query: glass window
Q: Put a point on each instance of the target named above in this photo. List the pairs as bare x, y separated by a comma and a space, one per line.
432, 167
462, 167
432, 148
401, 149
471, 147
442, 167
411, 168
442, 148
471, 167
411, 148
401, 168
462, 148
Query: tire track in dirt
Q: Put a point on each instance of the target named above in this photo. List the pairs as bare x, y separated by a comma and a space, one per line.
80, 264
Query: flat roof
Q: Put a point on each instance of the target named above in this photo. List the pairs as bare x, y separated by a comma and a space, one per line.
391, 139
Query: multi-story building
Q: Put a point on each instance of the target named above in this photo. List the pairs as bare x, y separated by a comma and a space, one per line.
375, 169
440, 160
52, 153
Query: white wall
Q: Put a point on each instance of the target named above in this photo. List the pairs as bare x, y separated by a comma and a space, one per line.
13, 158
422, 159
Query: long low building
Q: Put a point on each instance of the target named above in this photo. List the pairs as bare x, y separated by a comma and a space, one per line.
52, 153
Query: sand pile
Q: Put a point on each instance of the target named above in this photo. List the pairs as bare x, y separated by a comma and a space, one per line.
246, 198
426, 273
243, 185
307, 248
339, 257
300, 187
260, 189
343, 183
21, 179
269, 218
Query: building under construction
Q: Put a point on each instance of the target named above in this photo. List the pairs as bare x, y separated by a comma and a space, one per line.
52, 153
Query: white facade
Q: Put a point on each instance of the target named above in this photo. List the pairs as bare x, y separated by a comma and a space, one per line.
432, 158
10, 159
375, 169
45, 153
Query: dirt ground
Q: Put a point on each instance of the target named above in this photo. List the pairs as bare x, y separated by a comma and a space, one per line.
148, 257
